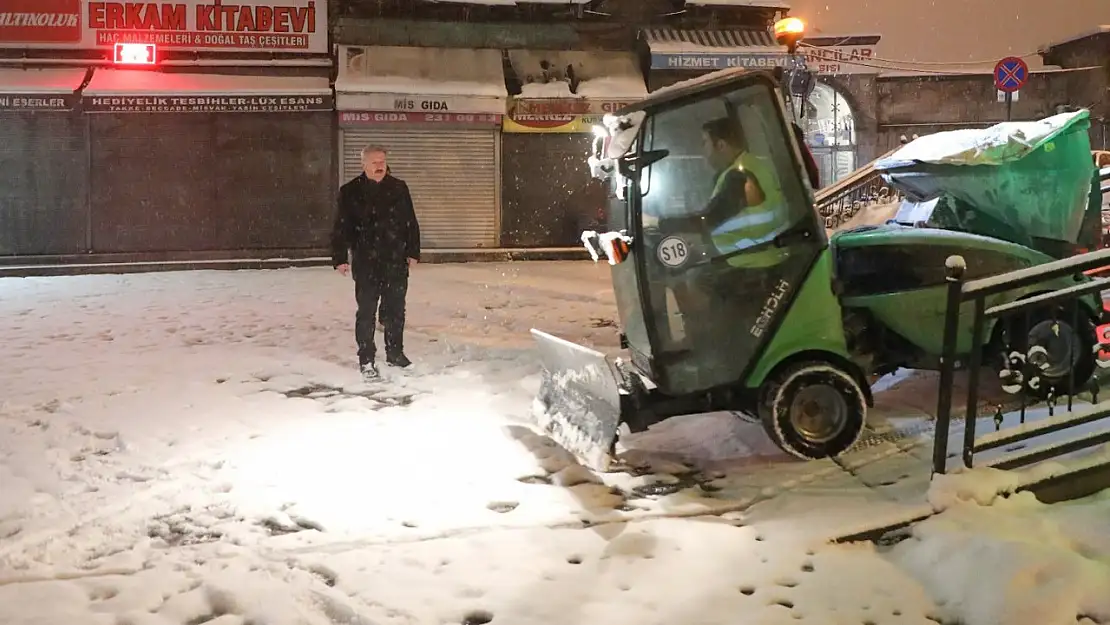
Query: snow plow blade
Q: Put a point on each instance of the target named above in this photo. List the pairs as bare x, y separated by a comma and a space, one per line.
579, 402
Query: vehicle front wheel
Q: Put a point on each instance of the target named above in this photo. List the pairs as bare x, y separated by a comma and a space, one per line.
814, 410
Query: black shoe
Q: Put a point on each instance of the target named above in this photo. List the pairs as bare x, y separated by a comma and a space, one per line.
369, 372
399, 360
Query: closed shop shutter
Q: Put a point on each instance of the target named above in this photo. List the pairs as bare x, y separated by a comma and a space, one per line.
152, 187
205, 182
43, 178
274, 180
452, 174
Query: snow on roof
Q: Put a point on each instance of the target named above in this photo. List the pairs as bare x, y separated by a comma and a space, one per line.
118, 82
842, 39
600, 75
762, 4
1083, 35
65, 80
980, 71
421, 71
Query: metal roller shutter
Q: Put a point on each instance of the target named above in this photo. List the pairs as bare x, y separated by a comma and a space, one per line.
151, 182
43, 182
452, 174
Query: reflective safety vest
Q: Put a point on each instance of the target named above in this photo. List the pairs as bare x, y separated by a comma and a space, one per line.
753, 225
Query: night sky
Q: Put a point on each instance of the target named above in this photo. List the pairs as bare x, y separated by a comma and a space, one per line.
956, 30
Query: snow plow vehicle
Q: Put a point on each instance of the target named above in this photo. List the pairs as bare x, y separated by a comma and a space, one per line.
733, 297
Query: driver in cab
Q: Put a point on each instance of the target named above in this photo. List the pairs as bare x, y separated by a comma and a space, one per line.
745, 210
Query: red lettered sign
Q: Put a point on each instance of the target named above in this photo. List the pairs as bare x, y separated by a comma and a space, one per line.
40, 21
243, 25
248, 24
383, 117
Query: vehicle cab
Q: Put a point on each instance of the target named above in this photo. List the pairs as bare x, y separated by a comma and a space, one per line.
711, 199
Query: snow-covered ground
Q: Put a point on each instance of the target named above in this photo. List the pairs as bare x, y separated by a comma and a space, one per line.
188, 448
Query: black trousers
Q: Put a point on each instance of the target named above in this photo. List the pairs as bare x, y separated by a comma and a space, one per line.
385, 285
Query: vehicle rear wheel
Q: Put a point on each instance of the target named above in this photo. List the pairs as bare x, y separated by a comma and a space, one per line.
1061, 357
815, 410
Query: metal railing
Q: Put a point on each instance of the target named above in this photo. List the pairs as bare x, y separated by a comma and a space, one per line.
1023, 370
840, 201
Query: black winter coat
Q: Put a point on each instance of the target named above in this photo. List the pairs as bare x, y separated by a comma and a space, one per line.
376, 222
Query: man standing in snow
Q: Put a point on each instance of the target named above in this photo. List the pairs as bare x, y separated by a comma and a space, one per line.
377, 238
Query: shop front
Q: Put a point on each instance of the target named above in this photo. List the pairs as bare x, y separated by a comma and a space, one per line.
43, 185
548, 194
437, 112
838, 118
175, 129
202, 161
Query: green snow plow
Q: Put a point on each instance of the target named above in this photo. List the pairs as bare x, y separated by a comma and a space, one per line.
732, 296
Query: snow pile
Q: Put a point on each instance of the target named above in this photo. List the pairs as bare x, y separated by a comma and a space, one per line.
601, 76
555, 89
188, 448
1016, 562
618, 87
1000, 143
981, 486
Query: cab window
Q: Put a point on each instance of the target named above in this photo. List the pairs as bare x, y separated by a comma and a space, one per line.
719, 200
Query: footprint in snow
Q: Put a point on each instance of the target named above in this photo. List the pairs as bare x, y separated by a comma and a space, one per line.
502, 506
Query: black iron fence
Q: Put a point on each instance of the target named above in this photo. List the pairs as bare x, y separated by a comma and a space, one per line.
1044, 342
840, 201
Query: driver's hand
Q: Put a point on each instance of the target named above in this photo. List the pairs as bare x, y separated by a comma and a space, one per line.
344, 269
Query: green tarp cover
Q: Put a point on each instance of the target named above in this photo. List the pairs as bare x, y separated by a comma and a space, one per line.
1019, 181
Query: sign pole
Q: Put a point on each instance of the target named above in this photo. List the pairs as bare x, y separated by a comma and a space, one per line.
1009, 106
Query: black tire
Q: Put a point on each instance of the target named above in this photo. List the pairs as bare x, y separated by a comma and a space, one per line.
814, 410
1071, 354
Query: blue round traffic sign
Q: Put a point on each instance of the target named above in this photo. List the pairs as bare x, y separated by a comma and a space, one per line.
1011, 74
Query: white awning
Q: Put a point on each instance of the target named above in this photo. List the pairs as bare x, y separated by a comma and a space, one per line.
598, 76
420, 80
141, 91
39, 89
41, 80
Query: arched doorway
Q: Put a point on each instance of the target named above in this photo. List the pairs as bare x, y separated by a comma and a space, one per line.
830, 131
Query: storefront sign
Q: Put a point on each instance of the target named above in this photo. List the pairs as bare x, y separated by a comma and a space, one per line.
403, 103
551, 123
564, 106
246, 25
37, 102
207, 104
701, 61
822, 60
840, 59
40, 21
385, 117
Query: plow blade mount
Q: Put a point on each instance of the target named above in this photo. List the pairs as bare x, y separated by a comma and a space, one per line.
579, 402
